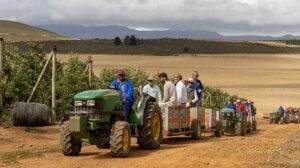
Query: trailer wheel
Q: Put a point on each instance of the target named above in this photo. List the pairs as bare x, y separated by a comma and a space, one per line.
196, 128
120, 139
218, 131
69, 145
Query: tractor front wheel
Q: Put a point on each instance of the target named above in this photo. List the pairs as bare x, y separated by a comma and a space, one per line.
150, 134
70, 146
120, 138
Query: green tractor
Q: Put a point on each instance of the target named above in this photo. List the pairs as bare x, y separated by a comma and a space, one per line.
276, 117
99, 119
234, 122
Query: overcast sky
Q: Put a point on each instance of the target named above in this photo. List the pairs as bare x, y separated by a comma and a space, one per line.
263, 17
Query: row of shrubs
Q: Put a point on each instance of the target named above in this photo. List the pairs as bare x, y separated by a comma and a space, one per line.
21, 71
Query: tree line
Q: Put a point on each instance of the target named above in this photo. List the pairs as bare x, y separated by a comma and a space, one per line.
128, 40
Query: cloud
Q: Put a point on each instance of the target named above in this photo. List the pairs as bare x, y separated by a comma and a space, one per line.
225, 16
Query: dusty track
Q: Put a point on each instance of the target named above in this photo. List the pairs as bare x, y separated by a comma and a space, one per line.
254, 150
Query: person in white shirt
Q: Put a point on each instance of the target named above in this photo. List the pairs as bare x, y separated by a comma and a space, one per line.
169, 99
181, 91
152, 90
191, 93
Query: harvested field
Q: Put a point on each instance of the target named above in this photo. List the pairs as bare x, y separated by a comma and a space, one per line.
270, 80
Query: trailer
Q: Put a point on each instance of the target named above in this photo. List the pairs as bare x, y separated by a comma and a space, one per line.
181, 120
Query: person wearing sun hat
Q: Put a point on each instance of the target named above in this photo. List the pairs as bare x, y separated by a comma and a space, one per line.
126, 88
152, 90
192, 97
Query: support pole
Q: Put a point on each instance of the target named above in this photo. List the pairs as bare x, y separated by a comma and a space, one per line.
40, 77
1, 78
90, 70
54, 85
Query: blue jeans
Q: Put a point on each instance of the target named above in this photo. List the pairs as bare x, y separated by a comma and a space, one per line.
128, 108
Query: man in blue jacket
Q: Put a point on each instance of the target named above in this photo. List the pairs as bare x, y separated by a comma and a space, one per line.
198, 87
231, 105
126, 88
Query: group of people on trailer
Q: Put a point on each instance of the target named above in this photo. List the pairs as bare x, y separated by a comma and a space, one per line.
176, 93
245, 106
289, 110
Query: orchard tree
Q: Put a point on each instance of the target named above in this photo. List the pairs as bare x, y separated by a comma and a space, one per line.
117, 41
133, 41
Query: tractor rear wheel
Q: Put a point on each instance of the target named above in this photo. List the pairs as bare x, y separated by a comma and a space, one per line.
249, 127
271, 120
150, 134
282, 120
70, 146
196, 128
254, 126
120, 138
218, 131
238, 129
244, 127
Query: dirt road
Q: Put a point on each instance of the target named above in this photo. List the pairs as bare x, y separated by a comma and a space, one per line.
254, 150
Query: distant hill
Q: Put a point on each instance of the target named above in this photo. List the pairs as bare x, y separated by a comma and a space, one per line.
111, 31
16, 31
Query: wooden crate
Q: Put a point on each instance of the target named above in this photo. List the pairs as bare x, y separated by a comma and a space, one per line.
208, 118
179, 118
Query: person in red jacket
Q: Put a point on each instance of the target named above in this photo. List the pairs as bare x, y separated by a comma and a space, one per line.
241, 107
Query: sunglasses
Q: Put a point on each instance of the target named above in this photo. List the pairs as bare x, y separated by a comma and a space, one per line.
150, 80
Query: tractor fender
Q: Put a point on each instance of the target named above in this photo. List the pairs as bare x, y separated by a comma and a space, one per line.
139, 107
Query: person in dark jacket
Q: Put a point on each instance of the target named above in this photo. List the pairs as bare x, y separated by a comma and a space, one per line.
127, 89
198, 87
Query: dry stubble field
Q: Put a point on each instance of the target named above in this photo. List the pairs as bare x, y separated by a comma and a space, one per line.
269, 80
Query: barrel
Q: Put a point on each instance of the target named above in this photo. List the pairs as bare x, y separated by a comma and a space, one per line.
30, 114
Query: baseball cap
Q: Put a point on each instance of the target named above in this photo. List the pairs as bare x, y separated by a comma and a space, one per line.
121, 72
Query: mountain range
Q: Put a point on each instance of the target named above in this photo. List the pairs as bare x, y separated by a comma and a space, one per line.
111, 31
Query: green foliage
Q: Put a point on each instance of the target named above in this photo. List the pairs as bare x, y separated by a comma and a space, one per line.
293, 42
117, 41
22, 69
74, 80
137, 76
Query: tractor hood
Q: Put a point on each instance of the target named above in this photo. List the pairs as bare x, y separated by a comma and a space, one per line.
227, 110
96, 94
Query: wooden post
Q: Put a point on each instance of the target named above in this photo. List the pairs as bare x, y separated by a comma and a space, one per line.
1, 77
54, 85
90, 70
40, 77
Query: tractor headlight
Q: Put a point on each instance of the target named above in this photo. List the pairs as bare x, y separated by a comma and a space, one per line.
90, 103
78, 103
